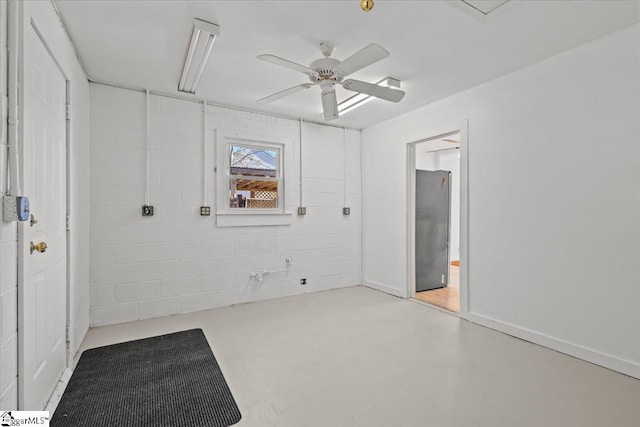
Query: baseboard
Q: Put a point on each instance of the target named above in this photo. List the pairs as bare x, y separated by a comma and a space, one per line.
72, 351
58, 392
384, 288
605, 360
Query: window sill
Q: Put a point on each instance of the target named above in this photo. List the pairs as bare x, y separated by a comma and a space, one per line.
244, 219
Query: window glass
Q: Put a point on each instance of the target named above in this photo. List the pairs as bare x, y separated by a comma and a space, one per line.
254, 177
253, 161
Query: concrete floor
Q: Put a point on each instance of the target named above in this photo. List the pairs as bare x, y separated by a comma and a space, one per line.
358, 357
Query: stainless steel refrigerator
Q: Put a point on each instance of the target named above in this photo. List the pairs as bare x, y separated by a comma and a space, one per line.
433, 206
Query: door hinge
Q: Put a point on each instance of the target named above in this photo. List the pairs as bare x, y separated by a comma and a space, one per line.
68, 112
66, 336
68, 223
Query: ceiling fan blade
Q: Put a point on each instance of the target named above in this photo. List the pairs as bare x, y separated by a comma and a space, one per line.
386, 93
284, 93
362, 58
330, 104
288, 64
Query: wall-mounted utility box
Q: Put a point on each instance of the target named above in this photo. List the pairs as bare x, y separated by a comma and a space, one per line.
147, 210
205, 210
302, 210
15, 208
346, 211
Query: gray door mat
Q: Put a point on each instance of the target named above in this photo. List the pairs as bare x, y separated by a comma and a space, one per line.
168, 380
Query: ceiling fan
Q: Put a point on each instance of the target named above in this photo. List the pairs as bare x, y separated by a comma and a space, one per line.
327, 72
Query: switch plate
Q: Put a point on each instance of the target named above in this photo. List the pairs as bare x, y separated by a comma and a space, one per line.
147, 210
205, 210
302, 210
346, 211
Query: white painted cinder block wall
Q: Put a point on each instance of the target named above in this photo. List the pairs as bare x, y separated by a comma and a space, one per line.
43, 15
554, 199
177, 261
8, 259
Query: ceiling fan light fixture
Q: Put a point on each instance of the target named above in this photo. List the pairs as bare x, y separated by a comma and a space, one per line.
202, 38
360, 99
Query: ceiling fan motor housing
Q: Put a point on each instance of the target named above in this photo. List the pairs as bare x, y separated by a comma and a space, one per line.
324, 67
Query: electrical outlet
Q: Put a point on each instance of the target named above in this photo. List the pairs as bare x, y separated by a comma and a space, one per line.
303, 281
205, 210
147, 210
302, 210
346, 211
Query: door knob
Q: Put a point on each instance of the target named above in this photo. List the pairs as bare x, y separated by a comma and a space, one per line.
39, 247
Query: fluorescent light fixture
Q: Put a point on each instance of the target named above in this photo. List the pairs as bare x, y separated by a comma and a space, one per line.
202, 38
360, 99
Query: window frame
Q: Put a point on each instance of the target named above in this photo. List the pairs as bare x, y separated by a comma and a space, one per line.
229, 217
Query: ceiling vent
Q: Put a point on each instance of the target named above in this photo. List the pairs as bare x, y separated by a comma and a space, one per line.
484, 7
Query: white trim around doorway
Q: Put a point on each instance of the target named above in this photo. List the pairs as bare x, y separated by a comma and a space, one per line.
463, 129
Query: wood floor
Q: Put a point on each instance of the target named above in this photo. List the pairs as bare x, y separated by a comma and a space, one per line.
447, 297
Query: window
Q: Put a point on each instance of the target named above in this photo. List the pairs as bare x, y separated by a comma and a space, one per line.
254, 176
251, 174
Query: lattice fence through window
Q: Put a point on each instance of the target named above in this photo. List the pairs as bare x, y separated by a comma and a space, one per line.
265, 199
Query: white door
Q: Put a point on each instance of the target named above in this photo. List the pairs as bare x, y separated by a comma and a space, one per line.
42, 275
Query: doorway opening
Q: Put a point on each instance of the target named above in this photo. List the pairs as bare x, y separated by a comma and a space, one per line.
435, 225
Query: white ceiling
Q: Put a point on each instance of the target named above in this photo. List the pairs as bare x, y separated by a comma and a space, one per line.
437, 48
485, 6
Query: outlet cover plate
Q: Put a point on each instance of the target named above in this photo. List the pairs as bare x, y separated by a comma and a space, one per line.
302, 210
205, 210
9, 208
147, 210
346, 211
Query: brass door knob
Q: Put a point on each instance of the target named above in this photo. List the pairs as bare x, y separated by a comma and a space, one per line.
39, 247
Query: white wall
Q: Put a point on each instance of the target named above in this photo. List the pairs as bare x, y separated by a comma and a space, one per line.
44, 16
177, 261
554, 238
425, 160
